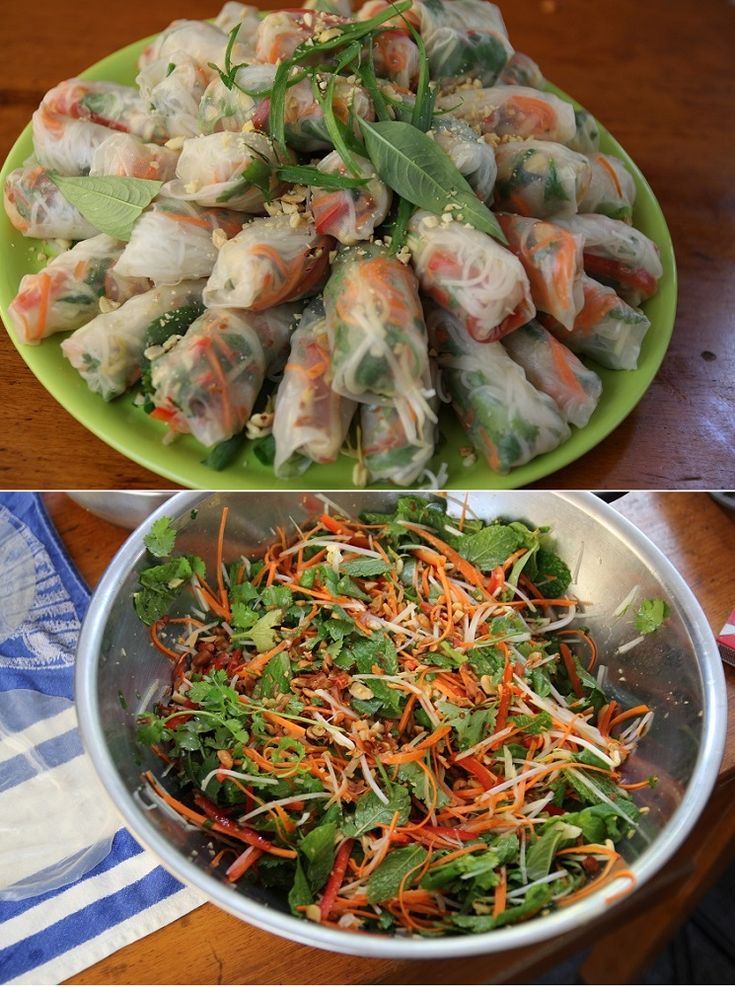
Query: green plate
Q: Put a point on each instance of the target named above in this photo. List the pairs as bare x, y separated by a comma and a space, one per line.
129, 430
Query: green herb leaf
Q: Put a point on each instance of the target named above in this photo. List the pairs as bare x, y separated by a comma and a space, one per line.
490, 547
540, 855
276, 676
263, 633
362, 568
552, 576
160, 539
161, 584
111, 204
308, 175
385, 881
318, 847
371, 812
300, 893
260, 173
651, 614
415, 167
224, 453
470, 725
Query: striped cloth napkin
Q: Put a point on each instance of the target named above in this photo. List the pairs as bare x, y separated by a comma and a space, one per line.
125, 895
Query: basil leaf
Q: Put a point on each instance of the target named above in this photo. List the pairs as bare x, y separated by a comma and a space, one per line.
490, 547
111, 204
385, 881
415, 167
307, 175
318, 847
300, 893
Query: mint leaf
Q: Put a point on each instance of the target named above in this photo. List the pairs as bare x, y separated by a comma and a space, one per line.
111, 204
385, 881
160, 539
540, 855
490, 547
361, 568
300, 893
318, 847
651, 614
552, 576
371, 812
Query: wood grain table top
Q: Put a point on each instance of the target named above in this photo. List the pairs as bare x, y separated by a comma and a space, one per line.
209, 946
658, 74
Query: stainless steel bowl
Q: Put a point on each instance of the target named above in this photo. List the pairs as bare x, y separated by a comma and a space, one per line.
676, 670
126, 508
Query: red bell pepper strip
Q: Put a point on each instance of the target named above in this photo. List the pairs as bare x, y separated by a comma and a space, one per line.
477, 768
243, 833
335, 879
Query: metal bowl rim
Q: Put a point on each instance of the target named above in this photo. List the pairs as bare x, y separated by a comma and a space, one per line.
535, 930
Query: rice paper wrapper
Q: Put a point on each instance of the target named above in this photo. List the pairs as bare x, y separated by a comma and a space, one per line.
36, 207
108, 351
554, 369
508, 421
208, 383
377, 334
471, 275
66, 294
540, 178
311, 420
607, 329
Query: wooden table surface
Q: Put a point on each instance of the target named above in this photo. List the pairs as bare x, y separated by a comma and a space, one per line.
209, 946
658, 74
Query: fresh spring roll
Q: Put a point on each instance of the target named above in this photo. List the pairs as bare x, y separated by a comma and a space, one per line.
127, 156
389, 454
108, 351
473, 157
281, 32
36, 207
396, 57
273, 260
64, 145
540, 178
463, 38
341, 7
118, 107
607, 329
211, 171
232, 109
174, 88
351, 214
521, 70
172, 240
471, 275
618, 255
507, 420
67, 292
203, 42
612, 190
554, 369
377, 334
304, 118
209, 381
586, 139
513, 111
311, 420
552, 259
247, 21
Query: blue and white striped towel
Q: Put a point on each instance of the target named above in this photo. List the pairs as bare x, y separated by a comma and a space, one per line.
49, 937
